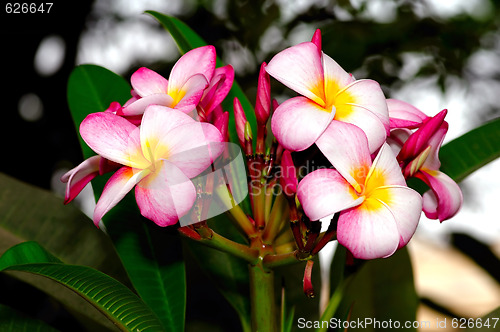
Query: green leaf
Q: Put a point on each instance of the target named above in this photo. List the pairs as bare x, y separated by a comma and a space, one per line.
151, 255
106, 294
287, 315
186, 40
12, 320
28, 213
381, 289
469, 152
228, 273
91, 89
153, 259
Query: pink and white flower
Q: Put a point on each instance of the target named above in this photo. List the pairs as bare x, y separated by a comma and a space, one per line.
418, 156
217, 89
158, 159
328, 94
184, 88
378, 212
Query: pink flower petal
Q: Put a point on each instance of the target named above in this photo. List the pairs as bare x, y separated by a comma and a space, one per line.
300, 68
298, 122
419, 141
114, 138
385, 170
157, 122
316, 39
404, 115
397, 138
186, 98
218, 89
336, 78
193, 147
324, 192
78, 177
147, 82
435, 142
346, 147
362, 94
137, 107
445, 199
118, 185
165, 195
369, 123
200, 60
369, 231
406, 207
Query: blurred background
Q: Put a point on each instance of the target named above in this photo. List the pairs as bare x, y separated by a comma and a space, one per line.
433, 54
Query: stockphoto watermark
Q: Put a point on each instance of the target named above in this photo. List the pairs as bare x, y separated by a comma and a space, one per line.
281, 171
361, 323
373, 323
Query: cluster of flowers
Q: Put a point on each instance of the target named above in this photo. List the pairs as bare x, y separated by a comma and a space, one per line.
373, 144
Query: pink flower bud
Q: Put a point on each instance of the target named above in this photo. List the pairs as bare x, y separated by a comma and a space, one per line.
221, 123
316, 39
288, 178
240, 119
419, 140
263, 102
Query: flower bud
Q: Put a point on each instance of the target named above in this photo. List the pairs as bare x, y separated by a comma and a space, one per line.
240, 119
263, 102
288, 178
419, 140
316, 39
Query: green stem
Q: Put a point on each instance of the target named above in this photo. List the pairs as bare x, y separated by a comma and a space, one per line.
263, 304
236, 249
235, 210
272, 261
275, 220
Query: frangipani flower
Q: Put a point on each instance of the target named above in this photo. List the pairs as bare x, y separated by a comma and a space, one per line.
378, 212
419, 157
404, 115
78, 177
183, 89
217, 90
328, 94
158, 159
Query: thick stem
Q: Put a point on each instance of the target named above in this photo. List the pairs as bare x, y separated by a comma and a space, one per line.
272, 261
262, 299
235, 210
275, 220
223, 244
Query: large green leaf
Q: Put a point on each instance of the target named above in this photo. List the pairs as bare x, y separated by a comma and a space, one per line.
381, 290
151, 255
91, 89
471, 151
14, 321
113, 299
30, 213
186, 40
228, 273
